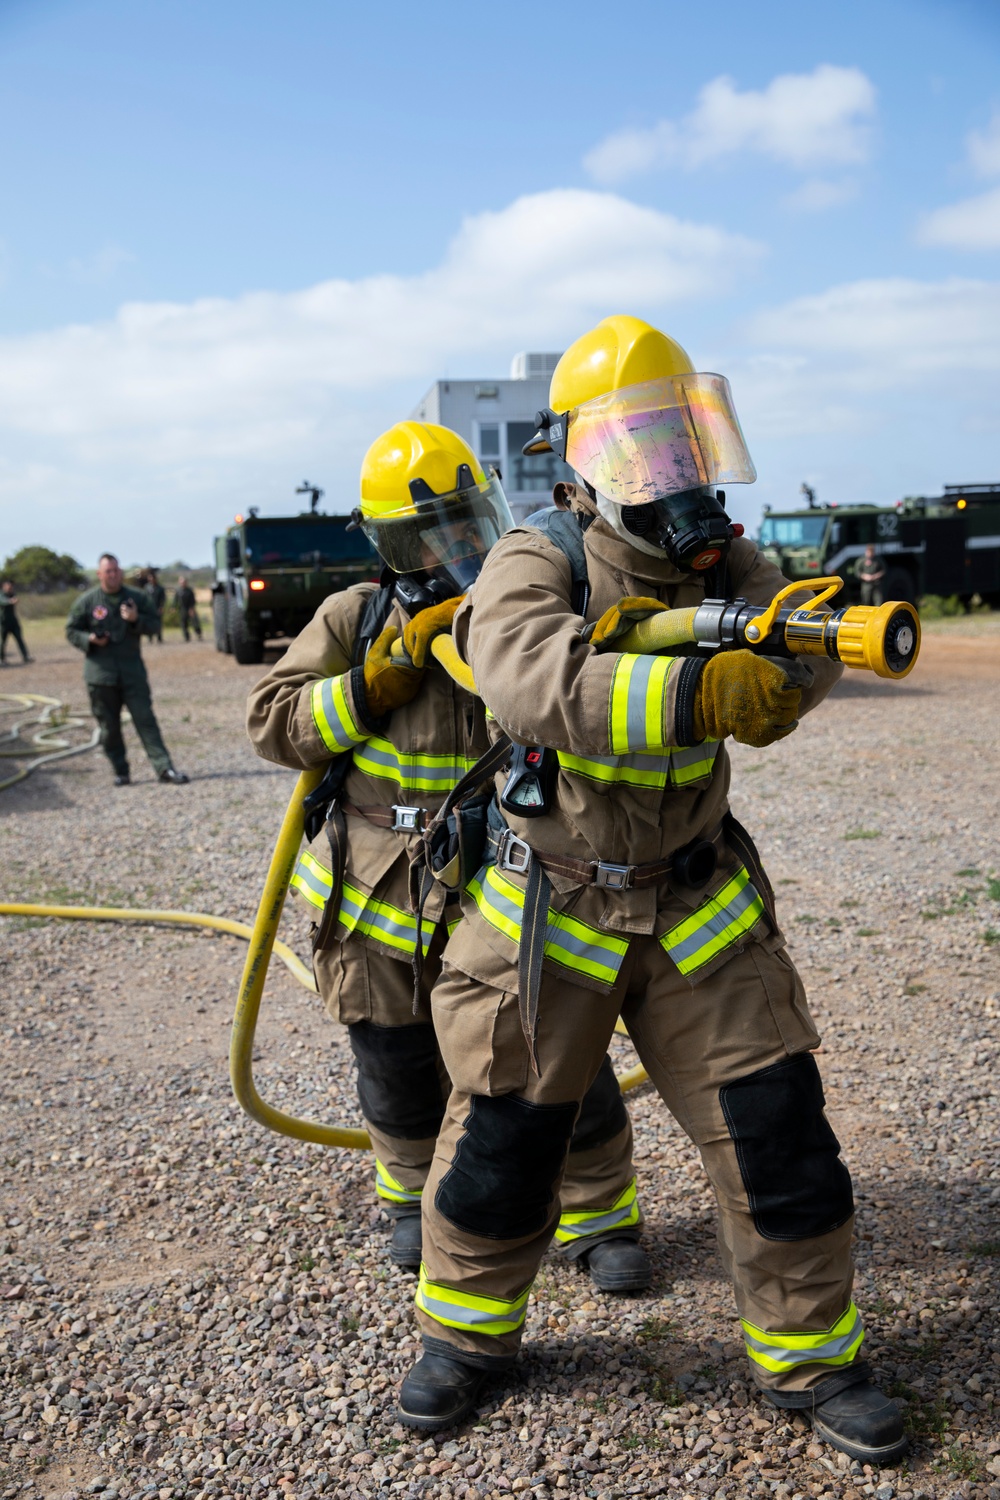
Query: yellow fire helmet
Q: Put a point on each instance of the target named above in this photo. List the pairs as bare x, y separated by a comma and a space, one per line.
428, 507
630, 414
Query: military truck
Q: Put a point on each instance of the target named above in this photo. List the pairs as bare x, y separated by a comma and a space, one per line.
946, 545
273, 572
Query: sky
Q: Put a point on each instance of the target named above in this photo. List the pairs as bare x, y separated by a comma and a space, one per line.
238, 241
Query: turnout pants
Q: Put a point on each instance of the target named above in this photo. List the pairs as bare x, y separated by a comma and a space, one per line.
403, 1089
730, 1058
106, 703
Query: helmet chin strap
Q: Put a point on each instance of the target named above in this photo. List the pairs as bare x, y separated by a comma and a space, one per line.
613, 515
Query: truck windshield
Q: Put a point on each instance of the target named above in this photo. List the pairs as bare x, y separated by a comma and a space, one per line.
276, 544
793, 531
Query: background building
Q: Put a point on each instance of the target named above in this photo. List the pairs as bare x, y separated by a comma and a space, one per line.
497, 417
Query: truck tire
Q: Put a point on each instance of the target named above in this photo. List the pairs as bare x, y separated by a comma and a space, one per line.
899, 585
248, 648
222, 641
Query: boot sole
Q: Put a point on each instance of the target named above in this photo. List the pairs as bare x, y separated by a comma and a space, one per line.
627, 1283
405, 1263
438, 1424
865, 1455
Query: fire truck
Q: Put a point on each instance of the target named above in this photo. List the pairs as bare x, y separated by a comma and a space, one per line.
946, 545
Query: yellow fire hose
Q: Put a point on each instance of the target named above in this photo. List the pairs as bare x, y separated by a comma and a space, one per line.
884, 640
263, 941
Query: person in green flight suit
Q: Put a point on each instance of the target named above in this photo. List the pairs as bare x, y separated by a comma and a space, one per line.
157, 595
106, 624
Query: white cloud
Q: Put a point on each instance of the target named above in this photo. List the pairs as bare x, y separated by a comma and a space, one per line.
816, 195
801, 119
890, 332
971, 224
215, 399
983, 147
883, 387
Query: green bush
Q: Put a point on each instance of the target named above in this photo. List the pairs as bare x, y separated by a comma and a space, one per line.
39, 570
938, 607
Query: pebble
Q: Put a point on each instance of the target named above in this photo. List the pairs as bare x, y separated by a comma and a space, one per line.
234, 1326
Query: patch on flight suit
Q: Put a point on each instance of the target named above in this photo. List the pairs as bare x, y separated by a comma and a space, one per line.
602, 1113
500, 1183
789, 1157
399, 1087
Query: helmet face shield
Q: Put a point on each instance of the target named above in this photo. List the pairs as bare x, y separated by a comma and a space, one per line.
649, 441
445, 537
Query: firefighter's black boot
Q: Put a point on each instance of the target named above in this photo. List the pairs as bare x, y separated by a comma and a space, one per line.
438, 1392
620, 1265
405, 1242
862, 1423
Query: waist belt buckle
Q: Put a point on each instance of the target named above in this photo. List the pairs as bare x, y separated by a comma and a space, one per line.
614, 877
407, 819
513, 853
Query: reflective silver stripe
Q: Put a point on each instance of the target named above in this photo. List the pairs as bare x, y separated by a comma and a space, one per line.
638, 689
491, 1315
386, 1186
312, 880
332, 714
434, 773
382, 920
314, 876
781, 1353
577, 1226
640, 769
577, 945
715, 925
693, 762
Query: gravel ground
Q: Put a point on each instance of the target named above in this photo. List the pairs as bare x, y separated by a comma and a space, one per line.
193, 1307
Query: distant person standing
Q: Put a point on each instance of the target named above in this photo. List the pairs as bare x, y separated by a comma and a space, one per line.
187, 608
158, 598
9, 623
106, 624
870, 572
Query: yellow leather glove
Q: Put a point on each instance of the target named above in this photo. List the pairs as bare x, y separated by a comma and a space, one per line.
750, 697
389, 682
619, 619
421, 630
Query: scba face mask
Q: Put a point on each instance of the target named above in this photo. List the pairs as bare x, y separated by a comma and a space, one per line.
691, 528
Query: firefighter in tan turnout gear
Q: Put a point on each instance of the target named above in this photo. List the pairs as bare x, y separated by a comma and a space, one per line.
637, 892
399, 736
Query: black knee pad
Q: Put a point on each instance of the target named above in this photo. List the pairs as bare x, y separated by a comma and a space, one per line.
602, 1113
789, 1157
501, 1180
399, 1087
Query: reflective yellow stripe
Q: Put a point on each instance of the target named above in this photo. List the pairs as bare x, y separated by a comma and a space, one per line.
452, 922
696, 763
358, 912
717, 924
381, 920
331, 711
635, 709
413, 773
784, 1351
312, 880
492, 1315
631, 770
622, 1213
568, 941
387, 1187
